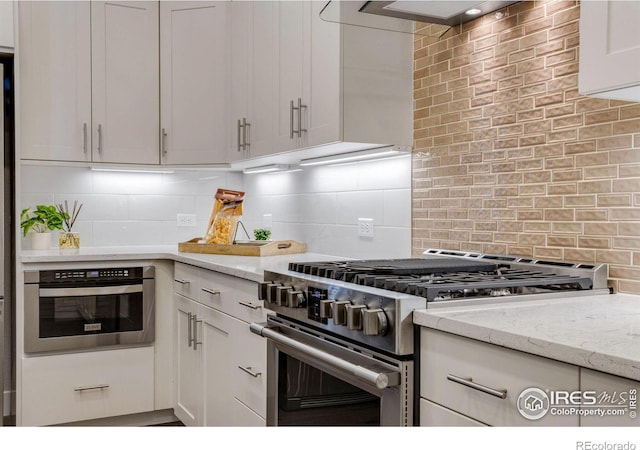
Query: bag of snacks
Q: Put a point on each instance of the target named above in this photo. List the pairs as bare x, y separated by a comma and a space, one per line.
225, 215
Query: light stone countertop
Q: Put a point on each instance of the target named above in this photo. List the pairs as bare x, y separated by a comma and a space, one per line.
248, 267
601, 332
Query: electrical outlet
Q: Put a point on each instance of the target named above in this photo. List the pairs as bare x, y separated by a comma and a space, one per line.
186, 220
365, 227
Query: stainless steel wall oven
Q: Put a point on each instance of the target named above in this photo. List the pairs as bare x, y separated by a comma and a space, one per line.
80, 309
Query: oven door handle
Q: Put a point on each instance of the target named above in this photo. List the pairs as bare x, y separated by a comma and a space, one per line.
85, 291
379, 380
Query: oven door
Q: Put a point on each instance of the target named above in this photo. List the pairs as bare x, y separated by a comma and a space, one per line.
314, 382
76, 318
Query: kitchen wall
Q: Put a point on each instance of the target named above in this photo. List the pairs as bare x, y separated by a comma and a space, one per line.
509, 158
319, 206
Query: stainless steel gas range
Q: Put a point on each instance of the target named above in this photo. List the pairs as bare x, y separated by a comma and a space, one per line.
341, 342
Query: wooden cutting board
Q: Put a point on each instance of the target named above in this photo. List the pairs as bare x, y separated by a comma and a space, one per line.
250, 248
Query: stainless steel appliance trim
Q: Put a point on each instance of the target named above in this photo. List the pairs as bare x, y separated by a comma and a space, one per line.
66, 344
377, 379
85, 291
468, 382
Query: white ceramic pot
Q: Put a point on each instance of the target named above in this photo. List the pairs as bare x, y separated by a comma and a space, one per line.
40, 241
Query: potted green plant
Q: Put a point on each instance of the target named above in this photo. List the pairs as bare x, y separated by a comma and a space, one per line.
262, 234
40, 222
68, 239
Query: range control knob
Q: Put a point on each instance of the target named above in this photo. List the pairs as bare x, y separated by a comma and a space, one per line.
272, 292
325, 308
263, 288
374, 322
339, 312
281, 295
295, 299
354, 316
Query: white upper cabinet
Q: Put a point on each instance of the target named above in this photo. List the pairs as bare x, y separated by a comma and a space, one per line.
89, 81
251, 78
193, 58
6, 25
55, 80
610, 49
124, 42
340, 83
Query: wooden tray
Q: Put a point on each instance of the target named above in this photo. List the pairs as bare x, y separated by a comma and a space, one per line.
248, 248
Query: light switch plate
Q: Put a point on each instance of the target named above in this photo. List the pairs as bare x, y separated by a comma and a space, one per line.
365, 227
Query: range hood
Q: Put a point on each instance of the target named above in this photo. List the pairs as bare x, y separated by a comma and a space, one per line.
402, 15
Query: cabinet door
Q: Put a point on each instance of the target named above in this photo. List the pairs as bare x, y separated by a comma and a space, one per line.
245, 417
292, 20
214, 329
616, 395
251, 77
249, 368
322, 89
610, 48
125, 84
188, 364
193, 48
6, 24
55, 80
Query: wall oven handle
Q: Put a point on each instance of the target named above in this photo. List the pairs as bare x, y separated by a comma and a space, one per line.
90, 388
84, 291
500, 393
379, 380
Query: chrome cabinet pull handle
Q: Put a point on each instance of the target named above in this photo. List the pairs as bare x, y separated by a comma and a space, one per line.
250, 372
250, 305
300, 107
189, 332
291, 130
500, 393
182, 281
247, 134
195, 331
164, 142
84, 137
89, 388
239, 135
100, 139
211, 291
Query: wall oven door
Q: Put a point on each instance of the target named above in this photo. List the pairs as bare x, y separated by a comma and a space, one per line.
83, 313
312, 381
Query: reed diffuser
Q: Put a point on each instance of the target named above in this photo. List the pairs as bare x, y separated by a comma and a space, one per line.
68, 239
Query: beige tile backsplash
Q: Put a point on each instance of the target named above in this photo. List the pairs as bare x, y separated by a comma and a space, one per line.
510, 158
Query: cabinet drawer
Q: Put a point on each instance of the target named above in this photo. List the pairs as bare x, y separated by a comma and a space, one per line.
245, 417
250, 368
445, 356
186, 280
614, 394
216, 291
82, 386
247, 307
432, 415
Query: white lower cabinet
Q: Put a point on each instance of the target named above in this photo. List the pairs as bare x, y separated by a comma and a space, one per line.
617, 400
219, 372
432, 415
82, 386
485, 373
